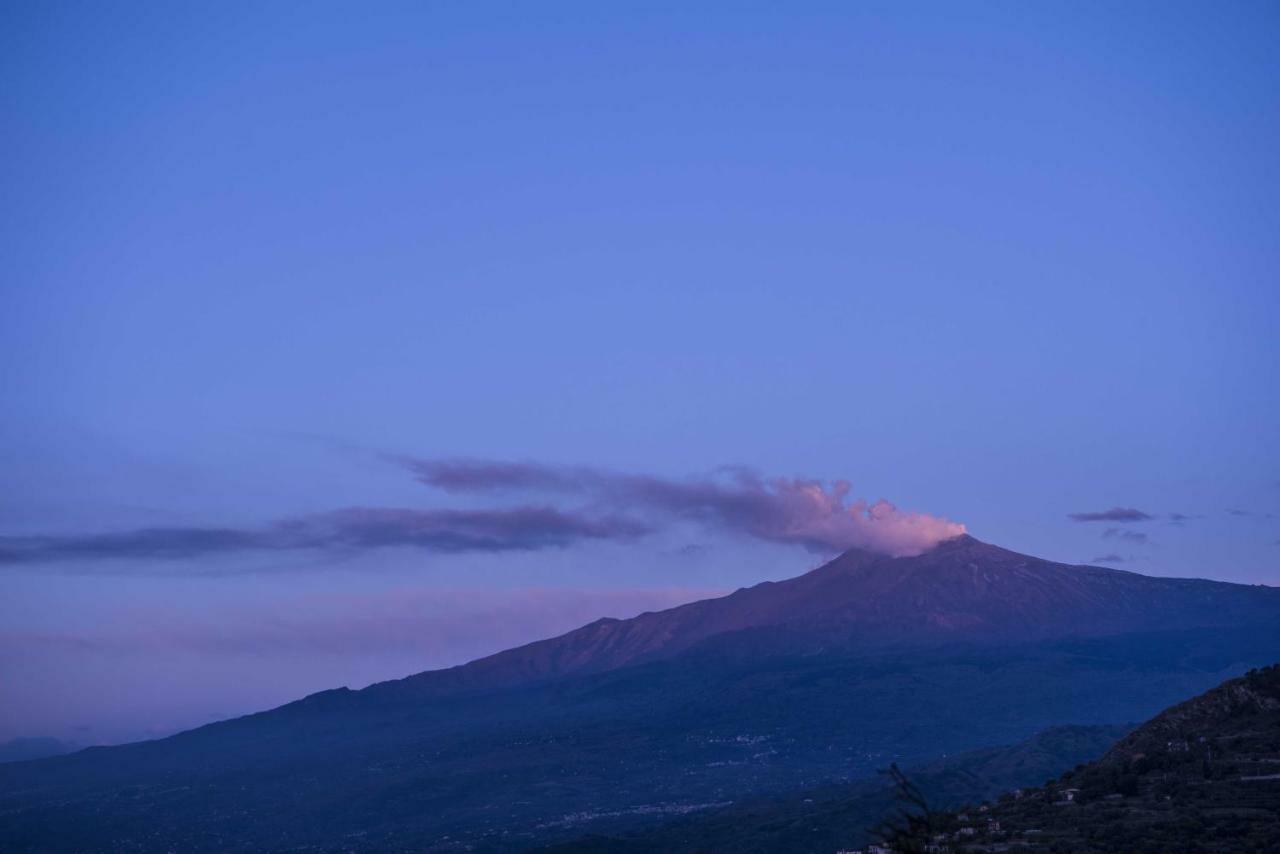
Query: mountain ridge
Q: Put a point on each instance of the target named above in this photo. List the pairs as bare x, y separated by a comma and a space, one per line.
962, 589
778, 687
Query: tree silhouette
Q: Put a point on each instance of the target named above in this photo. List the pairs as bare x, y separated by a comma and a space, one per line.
910, 827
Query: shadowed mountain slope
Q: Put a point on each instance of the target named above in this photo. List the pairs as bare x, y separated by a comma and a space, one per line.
961, 590
1201, 776
20, 749
823, 678
834, 817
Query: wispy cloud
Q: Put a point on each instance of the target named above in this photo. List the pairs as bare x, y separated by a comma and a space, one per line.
572, 505
1109, 558
1125, 535
1115, 514
472, 475
351, 529
1248, 514
816, 514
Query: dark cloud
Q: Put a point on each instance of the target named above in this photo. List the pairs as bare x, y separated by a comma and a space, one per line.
1115, 514
1181, 519
173, 543
812, 513
1248, 514
351, 529
470, 475
1125, 535
1109, 558
606, 506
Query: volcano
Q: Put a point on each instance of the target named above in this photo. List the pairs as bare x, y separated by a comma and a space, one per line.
824, 677
962, 590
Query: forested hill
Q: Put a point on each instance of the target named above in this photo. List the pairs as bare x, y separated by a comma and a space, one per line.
1202, 776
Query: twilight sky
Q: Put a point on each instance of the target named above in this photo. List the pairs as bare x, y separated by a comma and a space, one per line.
340, 342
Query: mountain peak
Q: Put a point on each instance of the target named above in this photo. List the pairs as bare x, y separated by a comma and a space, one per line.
972, 547
959, 541
961, 589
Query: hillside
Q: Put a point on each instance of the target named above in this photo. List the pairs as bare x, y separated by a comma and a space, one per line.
825, 819
21, 749
1202, 776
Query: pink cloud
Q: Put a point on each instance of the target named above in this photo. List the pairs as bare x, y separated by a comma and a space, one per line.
808, 512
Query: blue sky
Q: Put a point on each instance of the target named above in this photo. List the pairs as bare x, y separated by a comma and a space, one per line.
996, 262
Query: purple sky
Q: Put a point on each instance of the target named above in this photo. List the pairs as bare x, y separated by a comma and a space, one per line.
339, 344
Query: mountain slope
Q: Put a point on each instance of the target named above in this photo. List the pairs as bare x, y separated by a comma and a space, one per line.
833, 817
962, 590
1201, 776
777, 688
21, 749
